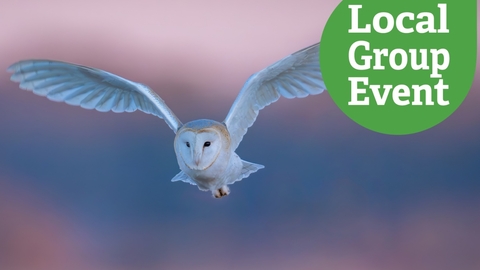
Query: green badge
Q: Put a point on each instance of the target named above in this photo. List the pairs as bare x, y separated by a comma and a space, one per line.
400, 67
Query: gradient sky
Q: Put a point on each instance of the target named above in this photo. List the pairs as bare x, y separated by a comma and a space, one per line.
81, 189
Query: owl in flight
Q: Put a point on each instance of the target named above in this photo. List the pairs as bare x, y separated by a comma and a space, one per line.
205, 149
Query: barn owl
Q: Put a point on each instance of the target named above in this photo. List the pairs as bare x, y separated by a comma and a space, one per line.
205, 149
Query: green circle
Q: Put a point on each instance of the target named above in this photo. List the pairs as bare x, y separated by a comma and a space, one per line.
413, 100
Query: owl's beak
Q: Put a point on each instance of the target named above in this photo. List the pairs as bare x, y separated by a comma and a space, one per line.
197, 158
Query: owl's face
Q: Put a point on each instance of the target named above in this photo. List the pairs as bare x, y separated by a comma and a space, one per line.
198, 149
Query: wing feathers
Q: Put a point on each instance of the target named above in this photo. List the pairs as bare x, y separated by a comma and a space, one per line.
89, 88
295, 76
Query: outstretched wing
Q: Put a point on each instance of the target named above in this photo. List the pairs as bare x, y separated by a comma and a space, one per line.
297, 75
89, 88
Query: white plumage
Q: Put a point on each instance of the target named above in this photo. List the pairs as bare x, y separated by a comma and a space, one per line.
205, 149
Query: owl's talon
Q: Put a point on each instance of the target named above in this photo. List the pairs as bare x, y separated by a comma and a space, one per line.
221, 192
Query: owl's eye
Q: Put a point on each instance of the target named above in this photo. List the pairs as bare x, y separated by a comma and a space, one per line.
188, 144
206, 144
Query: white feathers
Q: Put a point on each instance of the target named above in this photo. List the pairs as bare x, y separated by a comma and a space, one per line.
297, 75
89, 88
248, 168
205, 149
182, 176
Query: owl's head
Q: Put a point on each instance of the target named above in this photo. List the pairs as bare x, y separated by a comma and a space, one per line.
199, 143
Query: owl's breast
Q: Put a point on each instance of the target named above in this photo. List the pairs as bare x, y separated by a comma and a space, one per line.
223, 169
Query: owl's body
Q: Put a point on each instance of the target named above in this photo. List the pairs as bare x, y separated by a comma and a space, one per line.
216, 169
205, 149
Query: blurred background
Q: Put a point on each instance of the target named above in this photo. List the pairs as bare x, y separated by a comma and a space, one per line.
81, 189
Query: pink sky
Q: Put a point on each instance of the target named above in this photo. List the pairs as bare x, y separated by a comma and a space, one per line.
208, 44
184, 50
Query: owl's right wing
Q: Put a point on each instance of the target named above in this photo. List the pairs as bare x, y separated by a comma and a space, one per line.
89, 88
295, 76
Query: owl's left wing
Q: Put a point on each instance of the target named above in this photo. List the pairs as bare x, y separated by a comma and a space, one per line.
90, 88
295, 76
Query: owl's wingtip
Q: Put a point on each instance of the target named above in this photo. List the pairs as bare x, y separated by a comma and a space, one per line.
11, 68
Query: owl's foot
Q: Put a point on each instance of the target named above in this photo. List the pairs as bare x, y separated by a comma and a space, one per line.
219, 193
